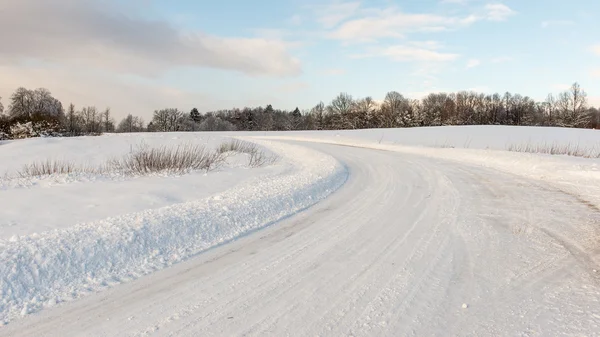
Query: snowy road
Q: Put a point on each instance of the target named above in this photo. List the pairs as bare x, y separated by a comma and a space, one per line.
396, 251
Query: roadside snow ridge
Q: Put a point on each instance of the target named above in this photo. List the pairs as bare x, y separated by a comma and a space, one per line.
44, 269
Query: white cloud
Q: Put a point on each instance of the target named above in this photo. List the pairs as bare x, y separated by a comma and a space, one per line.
125, 94
550, 23
370, 24
393, 23
331, 15
498, 12
403, 53
96, 34
472, 63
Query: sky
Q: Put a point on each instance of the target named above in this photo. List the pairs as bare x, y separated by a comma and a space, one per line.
137, 56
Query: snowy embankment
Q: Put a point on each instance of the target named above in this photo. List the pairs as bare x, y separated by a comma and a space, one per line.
488, 146
44, 268
35, 204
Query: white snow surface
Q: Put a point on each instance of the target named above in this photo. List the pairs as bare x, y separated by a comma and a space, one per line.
42, 268
421, 240
485, 146
38, 204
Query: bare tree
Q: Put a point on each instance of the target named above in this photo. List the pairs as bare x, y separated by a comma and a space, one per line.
364, 111
551, 110
37, 107
572, 105
187, 123
1, 106
167, 120
432, 109
213, 123
131, 124
340, 111
318, 111
108, 123
91, 119
72, 121
21, 103
25, 103
395, 110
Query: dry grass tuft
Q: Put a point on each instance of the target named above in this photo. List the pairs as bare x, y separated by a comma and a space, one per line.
183, 158
256, 156
557, 149
144, 160
48, 167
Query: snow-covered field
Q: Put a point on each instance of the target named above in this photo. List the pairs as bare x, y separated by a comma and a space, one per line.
481, 137
487, 146
429, 219
38, 204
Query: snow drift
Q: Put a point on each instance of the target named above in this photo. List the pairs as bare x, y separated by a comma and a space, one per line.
43, 269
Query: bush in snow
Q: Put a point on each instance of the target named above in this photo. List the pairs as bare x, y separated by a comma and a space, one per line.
20, 131
256, 157
180, 159
47, 167
144, 160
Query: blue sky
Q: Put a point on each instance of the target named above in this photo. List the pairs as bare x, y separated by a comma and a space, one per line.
139, 55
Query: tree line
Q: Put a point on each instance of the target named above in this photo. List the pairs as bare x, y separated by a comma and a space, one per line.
33, 113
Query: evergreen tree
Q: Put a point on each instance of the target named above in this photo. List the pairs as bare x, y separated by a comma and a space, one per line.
195, 115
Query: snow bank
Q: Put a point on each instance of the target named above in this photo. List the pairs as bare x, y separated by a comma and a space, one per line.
44, 269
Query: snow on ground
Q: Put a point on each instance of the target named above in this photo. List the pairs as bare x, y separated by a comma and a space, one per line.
62, 237
487, 148
397, 251
471, 137
38, 204
482, 137
68, 238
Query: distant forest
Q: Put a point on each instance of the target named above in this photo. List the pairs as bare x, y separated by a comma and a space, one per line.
35, 113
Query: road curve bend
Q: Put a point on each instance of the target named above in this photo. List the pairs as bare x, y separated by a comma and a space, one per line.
409, 246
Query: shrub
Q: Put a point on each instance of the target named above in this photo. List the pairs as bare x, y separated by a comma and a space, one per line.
48, 167
183, 158
256, 157
144, 160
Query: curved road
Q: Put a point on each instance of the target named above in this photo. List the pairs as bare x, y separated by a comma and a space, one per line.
410, 246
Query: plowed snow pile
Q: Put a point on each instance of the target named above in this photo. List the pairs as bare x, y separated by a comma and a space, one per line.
130, 226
